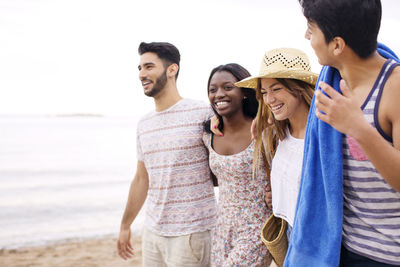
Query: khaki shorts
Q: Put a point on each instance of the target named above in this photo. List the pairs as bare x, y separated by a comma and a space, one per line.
191, 250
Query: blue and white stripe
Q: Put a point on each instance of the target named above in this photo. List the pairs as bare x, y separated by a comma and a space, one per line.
371, 221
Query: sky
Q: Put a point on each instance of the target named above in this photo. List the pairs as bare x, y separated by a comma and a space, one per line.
80, 56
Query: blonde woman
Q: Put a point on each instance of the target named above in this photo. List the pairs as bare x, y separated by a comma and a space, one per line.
284, 90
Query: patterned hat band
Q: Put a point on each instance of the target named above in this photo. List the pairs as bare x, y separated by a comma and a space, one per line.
285, 63
293, 63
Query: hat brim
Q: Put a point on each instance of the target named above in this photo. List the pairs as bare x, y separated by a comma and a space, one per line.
302, 75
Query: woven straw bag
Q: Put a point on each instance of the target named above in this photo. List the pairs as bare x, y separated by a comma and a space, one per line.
273, 234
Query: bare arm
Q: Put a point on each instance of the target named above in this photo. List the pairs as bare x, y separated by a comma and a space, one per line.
137, 196
384, 157
342, 113
268, 196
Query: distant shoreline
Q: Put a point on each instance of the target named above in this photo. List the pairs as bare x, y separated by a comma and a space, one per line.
55, 115
78, 115
70, 115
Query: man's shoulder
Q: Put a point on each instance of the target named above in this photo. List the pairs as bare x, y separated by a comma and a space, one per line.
196, 108
395, 77
145, 118
392, 86
195, 104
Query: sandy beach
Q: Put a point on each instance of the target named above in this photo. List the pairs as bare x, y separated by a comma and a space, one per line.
88, 253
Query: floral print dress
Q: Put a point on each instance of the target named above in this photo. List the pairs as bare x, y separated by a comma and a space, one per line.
241, 210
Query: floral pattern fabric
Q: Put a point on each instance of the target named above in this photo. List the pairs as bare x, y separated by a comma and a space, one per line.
241, 210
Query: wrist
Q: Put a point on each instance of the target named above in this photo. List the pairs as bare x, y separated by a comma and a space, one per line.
125, 227
361, 131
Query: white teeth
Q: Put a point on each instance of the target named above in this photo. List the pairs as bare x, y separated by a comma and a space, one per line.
221, 103
146, 82
275, 108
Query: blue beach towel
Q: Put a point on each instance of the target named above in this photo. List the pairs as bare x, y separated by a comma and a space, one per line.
317, 231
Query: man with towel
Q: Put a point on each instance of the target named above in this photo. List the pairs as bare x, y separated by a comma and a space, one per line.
348, 211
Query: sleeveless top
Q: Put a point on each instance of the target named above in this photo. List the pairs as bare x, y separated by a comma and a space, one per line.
285, 176
371, 211
241, 210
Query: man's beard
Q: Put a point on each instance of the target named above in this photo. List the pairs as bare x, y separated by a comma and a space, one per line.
160, 83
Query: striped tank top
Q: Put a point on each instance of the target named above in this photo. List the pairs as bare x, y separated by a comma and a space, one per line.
371, 211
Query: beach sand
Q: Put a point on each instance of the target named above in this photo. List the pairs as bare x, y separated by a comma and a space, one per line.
88, 253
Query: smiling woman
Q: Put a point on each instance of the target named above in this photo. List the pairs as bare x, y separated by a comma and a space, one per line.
221, 84
224, 96
284, 91
241, 206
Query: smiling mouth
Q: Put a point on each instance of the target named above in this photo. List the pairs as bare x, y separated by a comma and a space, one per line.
276, 108
146, 83
221, 104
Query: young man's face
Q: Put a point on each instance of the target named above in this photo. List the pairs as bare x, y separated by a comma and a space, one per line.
318, 43
152, 74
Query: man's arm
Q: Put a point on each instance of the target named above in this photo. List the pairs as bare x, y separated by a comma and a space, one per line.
342, 113
384, 156
137, 196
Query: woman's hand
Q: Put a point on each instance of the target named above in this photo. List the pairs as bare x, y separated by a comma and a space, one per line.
253, 128
214, 126
268, 196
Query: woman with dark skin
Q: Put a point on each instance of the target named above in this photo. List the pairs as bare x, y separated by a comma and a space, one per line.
241, 208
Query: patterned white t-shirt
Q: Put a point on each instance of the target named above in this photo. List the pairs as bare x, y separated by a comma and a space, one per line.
180, 198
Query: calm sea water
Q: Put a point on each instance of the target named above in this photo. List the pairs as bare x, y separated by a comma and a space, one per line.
64, 177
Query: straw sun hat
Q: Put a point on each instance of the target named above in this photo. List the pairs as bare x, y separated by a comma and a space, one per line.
287, 63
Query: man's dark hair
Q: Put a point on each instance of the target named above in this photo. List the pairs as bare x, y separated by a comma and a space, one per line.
167, 52
250, 103
356, 21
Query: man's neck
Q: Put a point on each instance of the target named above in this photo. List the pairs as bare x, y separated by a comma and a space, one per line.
359, 72
168, 97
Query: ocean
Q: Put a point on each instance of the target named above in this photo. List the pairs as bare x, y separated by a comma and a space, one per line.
64, 177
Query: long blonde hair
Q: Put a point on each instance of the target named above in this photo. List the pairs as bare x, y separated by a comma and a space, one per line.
268, 135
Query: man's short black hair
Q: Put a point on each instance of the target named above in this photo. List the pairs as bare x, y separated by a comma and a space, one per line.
356, 21
167, 52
